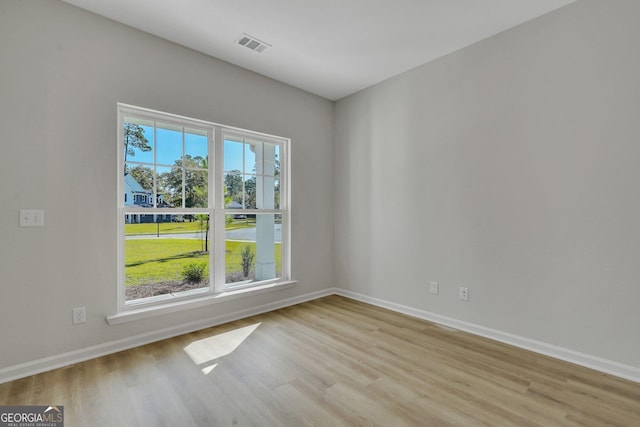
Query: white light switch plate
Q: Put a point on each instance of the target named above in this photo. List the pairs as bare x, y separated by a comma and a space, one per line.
434, 288
31, 218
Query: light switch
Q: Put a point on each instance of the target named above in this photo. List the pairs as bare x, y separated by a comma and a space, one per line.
31, 218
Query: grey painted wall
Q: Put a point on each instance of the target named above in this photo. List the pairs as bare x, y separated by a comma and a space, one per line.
510, 167
62, 70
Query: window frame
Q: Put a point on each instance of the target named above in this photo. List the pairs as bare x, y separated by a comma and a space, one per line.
215, 209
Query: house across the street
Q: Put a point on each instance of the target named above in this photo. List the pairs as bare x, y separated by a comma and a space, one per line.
135, 196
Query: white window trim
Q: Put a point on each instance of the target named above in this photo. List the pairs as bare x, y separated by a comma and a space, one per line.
192, 301
218, 290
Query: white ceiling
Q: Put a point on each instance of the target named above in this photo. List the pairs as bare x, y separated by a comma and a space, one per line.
332, 48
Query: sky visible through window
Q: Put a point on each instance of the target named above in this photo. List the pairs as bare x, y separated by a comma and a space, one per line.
233, 156
167, 148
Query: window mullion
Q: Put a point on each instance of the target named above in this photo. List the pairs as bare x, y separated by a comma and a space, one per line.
155, 162
244, 174
219, 215
184, 174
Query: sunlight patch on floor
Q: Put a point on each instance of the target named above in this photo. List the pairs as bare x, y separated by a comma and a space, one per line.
207, 350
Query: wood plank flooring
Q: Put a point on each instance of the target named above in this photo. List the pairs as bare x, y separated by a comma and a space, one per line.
330, 362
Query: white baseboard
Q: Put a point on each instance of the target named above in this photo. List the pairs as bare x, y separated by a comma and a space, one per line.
628, 372
48, 363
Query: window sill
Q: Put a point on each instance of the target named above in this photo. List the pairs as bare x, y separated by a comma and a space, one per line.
191, 303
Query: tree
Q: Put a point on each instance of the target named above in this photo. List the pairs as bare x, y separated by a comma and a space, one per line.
204, 228
143, 175
204, 162
134, 138
233, 185
250, 193
195, 183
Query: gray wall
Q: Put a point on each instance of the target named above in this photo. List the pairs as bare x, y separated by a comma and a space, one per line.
510, 167
62, 70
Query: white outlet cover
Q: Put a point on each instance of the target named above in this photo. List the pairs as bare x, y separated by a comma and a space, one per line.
79, 315
31, 218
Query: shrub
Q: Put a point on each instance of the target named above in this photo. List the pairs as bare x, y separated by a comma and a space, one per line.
247, 260
194, 272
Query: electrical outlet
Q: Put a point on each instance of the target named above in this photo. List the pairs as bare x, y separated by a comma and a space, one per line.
31, 218
464, 294
434, 288
79, 315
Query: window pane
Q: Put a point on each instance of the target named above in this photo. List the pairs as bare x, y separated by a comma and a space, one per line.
233, 155
138, 186
250, 192
276, 194
138, 141
166, 196
164, 255
253, 248
168, 145
196, 144
250, 150
170, 184
196, 189
233, 190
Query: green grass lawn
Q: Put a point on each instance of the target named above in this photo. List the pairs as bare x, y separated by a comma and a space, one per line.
151, 261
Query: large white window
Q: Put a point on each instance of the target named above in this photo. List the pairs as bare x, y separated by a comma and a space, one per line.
203, 208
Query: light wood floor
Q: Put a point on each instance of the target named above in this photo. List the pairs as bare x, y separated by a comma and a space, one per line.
329, 362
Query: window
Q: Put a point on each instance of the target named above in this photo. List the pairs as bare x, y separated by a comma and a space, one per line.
252, 202
208, 211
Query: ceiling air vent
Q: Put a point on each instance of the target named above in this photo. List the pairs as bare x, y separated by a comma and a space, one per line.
252, 43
